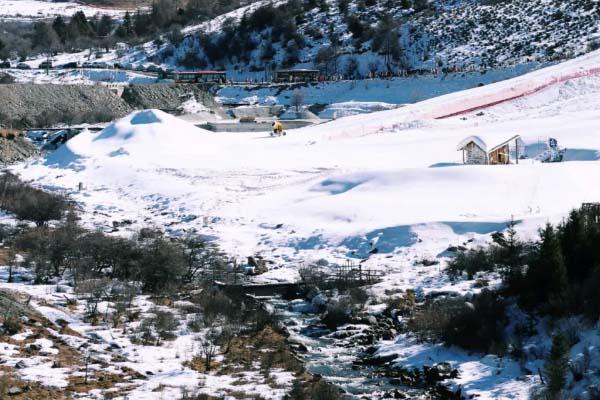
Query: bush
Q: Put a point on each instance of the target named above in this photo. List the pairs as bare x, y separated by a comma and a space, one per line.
29, 203
11, 324
324, 391
337, 313
215, 303
165, 324
162, 267
477, 325
470, 262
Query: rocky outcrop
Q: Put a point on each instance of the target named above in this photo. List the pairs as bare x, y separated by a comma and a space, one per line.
15, 150
29, 104
167, 97
32, 105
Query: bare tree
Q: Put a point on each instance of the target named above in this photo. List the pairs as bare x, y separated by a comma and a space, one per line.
207, 350
94, 290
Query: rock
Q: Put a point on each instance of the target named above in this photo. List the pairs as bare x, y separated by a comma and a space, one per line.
20, 365
299, 347
371, 320
439, 372
56, 364
394, 394
33, 347
27, 102
13, 391
6, 79
379, 360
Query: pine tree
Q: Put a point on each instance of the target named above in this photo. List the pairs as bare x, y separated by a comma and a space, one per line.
556, 365
298, 392
547, 283
556, 271
60, 27
512, 258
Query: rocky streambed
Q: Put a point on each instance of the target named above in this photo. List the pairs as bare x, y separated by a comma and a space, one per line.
348, 357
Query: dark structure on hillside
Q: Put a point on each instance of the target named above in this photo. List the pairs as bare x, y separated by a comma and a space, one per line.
297, 75
195, 76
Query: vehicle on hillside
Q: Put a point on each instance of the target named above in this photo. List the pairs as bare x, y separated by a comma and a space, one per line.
45, 65
69, 65
194, 76
100, 65
23, 66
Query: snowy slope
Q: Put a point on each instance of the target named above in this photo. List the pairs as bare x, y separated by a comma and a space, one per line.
390, 180
347, 177
462, 34
37, 9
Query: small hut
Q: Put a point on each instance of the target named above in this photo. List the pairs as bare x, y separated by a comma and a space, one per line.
504, 151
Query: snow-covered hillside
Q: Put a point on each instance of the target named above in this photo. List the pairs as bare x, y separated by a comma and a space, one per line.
464, 35
335, 182
390, 180
23, 10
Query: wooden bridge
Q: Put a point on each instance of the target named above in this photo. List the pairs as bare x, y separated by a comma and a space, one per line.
345, 276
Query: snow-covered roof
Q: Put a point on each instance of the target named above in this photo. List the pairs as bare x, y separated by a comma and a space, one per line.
491, 145
475, 139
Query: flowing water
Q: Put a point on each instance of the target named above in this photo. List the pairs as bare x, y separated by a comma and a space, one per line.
331, 355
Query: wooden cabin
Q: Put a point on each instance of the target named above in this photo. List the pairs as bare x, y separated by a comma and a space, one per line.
505, 151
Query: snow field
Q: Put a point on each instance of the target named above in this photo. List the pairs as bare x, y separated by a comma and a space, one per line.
391, 180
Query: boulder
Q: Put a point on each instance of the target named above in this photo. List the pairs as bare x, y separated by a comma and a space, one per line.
439, 372
13, 391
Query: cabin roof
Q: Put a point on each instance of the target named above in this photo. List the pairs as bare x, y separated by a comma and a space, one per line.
489, 146
475, 139
200, 72
297, 70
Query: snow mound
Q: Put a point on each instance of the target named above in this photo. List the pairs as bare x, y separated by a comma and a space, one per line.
141, 138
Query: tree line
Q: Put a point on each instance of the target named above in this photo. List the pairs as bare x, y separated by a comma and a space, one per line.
102, 31
57, 245
555, 277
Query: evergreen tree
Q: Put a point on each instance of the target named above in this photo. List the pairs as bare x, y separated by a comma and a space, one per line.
126, 28
60, 27
298, 392
44, 38
79, 25
547, 284
556, 365
105, 26
386, 40
511, 258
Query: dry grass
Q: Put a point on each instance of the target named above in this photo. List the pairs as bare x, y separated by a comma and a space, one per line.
266, 347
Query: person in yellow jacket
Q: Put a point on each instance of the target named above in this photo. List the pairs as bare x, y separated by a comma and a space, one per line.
277, 128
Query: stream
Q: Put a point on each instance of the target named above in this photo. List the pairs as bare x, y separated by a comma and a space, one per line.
332, 354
